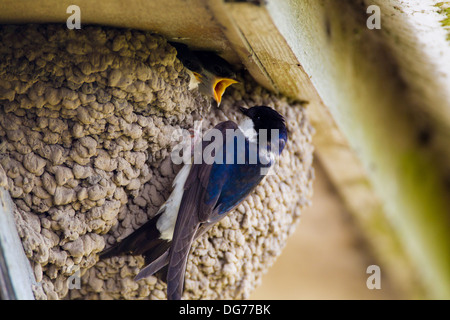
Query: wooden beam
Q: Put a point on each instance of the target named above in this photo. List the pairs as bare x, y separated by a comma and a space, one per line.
16, 276
361, 82
416, 32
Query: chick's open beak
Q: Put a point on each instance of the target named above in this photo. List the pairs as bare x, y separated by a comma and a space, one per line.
219, 87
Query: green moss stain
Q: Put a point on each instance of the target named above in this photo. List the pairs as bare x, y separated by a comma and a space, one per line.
444, 9
424, 198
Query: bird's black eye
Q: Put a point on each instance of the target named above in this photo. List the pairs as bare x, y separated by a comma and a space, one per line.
218, 69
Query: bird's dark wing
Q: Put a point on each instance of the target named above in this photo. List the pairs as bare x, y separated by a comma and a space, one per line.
195, 208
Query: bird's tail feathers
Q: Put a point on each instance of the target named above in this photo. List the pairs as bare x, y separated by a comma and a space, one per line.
144, 241
154, 266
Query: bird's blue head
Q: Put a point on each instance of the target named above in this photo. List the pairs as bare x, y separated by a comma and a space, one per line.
267, 121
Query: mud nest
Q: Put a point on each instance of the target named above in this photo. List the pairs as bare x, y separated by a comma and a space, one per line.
86, 120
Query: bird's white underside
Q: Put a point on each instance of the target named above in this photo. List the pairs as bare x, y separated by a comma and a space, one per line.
166, 223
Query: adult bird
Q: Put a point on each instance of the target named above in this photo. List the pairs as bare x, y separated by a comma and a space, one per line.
211, 74
205, 191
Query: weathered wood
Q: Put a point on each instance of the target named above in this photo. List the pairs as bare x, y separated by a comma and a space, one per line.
360, 81
416, 32
16, 276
